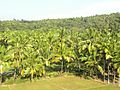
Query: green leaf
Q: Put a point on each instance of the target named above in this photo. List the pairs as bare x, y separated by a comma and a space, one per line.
108, 56
47, 63
118, 70
83, 58
100, 69
84, 47
106, 50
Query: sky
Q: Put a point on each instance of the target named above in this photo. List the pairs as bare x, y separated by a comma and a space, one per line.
49, 9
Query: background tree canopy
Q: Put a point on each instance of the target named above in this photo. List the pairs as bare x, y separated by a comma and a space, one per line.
99, 22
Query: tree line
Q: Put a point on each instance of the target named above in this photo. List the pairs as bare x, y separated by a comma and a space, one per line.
99, 22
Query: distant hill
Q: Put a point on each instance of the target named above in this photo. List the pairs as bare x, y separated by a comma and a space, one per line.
105, 21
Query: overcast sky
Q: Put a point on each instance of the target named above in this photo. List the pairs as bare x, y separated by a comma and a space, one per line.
44, 9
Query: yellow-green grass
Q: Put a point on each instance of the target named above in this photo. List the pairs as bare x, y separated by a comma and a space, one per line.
60, 83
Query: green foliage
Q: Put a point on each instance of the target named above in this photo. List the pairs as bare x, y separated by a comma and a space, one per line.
118, 70
85, 52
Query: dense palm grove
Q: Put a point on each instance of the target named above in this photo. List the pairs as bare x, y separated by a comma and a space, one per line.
86, 46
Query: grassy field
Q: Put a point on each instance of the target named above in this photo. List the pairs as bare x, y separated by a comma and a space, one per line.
60, 83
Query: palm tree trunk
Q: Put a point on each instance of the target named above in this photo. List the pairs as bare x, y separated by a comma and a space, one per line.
1, 71
1, 79
108, 74
119, 81
68, 68
62, 62
104, 65
96, 73
79, 63
62, 66
114, 77
104, 72
14, 75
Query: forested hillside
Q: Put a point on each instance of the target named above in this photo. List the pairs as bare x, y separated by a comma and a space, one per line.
85, 46
100, 22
